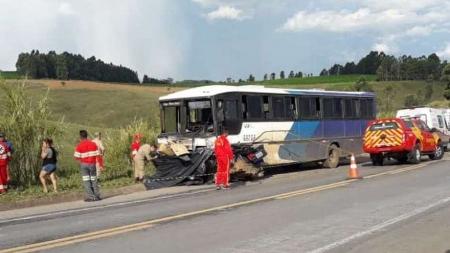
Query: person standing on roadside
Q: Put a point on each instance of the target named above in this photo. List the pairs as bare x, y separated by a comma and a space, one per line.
224, 158
86, 152
99, 165
135, 145
49, 160
5, 156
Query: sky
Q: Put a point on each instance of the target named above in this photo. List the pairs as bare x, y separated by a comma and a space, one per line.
216, 39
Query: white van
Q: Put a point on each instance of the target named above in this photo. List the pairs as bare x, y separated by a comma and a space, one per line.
435, 118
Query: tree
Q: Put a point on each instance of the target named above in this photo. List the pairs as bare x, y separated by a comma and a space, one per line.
324, 72
251, 78
291, 74
299, 74
445, 76
62, 73
362, 85
282, 74
336, 69
272, 76
265, 77
240, 81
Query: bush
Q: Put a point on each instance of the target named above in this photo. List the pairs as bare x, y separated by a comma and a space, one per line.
411, 100
447, 94
26, 123
117, 144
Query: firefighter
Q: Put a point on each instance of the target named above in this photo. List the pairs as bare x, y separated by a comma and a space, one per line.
224, 158
86, 153
143, 155
5, 156
135, 145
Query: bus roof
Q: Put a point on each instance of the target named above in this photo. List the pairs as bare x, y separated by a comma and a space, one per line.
212, 90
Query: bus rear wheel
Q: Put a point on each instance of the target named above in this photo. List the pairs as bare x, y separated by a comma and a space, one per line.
332, 160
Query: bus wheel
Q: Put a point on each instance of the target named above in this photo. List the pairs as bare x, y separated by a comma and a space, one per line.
333, 157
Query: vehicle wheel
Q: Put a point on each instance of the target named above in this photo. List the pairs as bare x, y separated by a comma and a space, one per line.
377, 159
415, 155
403, 158
438, 153
333, 157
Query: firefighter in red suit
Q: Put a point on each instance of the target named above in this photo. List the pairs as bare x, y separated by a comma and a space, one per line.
5, 156
224, 158
135, 145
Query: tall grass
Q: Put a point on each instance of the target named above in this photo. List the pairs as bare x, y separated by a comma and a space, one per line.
26, 123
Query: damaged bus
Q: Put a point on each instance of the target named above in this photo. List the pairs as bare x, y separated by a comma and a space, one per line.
267, 126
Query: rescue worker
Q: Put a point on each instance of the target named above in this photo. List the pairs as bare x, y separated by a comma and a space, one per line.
224, 158
142, 156
135, 145
5, 156
86, 152
99, 165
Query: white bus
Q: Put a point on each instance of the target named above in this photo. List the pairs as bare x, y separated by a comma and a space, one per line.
292, 126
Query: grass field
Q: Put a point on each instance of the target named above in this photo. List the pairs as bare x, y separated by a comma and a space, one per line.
10, 75
108, 107
345, 79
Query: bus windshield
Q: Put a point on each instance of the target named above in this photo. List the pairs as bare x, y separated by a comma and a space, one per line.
189, 116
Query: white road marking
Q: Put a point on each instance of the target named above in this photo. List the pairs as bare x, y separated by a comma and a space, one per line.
380, 226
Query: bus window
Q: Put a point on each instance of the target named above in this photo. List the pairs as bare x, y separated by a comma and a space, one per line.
351, 108
332, 108
170, 119
367, 108
309, 107
291, 108
254, 108
278, 108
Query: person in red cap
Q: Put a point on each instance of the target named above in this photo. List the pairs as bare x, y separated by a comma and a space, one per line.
5, 156
224, 158
135, 145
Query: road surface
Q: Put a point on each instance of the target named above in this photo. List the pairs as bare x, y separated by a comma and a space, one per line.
395, 208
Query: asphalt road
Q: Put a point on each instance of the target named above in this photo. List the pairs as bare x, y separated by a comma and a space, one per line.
395, 208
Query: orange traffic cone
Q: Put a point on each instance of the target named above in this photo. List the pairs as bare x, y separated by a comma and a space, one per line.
353, 171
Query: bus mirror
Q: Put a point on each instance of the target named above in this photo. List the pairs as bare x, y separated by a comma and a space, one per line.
433, 130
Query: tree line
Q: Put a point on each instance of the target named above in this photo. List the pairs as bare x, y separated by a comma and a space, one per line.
67, 66
390, 68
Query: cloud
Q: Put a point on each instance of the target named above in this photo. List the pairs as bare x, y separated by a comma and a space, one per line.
445, 53
419, 31
226, 12
66, 9
381, 47
126, 34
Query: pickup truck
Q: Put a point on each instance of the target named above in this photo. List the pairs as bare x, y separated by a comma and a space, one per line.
404, 139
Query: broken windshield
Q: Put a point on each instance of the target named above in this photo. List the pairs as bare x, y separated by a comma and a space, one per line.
199, 116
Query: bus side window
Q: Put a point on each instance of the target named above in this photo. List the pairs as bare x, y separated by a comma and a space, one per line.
244, 107
266, 107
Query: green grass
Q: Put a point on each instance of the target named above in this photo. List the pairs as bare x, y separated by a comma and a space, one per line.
10, 75
318, 80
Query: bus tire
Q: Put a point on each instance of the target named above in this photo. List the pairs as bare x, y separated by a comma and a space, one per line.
334, 155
